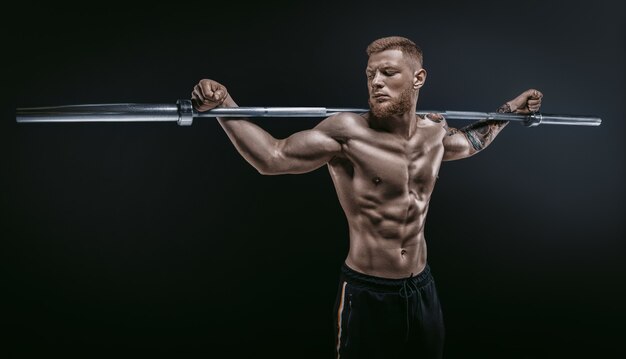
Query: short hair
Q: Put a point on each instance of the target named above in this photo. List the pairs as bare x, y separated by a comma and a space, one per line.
408, 47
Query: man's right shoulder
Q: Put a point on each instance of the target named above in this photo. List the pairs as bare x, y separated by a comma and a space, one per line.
344, 125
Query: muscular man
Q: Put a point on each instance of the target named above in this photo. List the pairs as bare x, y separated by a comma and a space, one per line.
384, 165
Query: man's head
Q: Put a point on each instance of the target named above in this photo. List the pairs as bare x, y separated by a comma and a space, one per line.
394, 75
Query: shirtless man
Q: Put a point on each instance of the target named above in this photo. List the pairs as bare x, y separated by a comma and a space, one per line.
384, 166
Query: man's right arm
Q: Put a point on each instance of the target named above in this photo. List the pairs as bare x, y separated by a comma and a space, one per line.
301, 152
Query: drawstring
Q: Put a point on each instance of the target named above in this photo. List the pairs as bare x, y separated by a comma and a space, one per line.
406, 291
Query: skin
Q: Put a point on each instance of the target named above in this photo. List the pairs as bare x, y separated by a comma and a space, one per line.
384, 164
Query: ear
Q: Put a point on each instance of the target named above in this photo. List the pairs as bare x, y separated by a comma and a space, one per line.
419, 78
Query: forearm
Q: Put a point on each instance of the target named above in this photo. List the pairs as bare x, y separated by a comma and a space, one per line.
253, 143
482, 133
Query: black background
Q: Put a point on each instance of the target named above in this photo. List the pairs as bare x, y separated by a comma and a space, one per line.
152, 239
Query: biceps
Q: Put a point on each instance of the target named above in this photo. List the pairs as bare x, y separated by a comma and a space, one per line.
456, 146
305, 151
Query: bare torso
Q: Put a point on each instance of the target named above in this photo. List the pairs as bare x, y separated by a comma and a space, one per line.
384, 183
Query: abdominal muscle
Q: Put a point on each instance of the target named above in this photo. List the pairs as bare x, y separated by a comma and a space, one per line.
388, 241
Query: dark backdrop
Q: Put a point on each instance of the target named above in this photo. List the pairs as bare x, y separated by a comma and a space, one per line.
152, 239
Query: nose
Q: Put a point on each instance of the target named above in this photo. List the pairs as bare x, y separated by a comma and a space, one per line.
377, 81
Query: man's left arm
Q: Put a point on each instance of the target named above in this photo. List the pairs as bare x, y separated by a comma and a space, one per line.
475, 137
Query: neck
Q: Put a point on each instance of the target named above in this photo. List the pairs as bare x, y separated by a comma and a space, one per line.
403, 125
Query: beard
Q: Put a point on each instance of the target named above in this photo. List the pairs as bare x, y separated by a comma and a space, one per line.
396, 106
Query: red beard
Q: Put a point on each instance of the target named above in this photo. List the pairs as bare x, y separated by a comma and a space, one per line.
392, 107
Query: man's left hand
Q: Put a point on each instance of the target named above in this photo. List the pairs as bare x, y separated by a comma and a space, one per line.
528, 102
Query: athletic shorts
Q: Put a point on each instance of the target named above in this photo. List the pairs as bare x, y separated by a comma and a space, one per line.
387, 318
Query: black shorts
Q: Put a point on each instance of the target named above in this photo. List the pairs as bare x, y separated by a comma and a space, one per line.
387, 318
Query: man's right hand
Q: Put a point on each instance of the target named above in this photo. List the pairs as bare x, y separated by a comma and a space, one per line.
208, 94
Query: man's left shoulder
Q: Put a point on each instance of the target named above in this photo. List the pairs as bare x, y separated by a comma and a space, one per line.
434, 117
435, 120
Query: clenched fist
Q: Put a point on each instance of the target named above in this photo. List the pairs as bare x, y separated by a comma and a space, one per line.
528, 102
208, 94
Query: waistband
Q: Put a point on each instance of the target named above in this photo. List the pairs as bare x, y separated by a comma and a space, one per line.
385, 284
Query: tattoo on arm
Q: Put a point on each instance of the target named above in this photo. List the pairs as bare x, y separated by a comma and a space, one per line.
480, 134
506, 108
